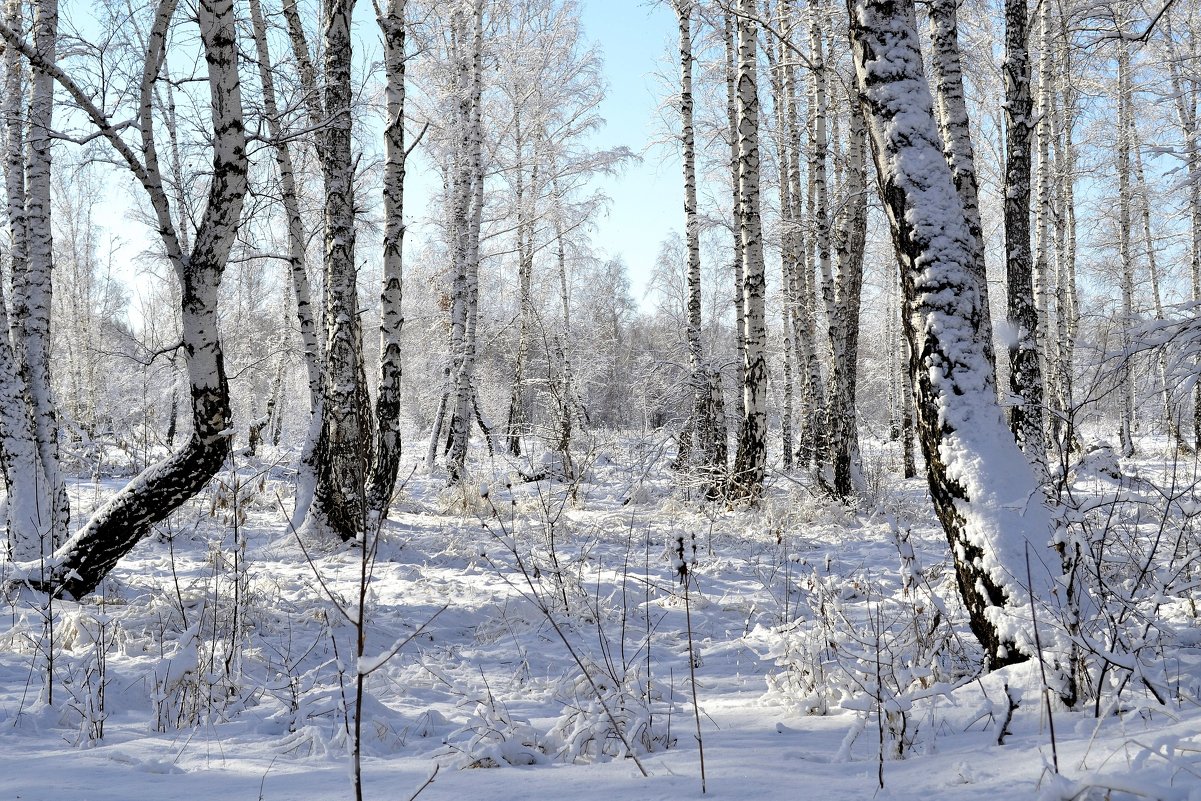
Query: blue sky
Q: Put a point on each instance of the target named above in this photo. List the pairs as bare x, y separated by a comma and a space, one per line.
638, 39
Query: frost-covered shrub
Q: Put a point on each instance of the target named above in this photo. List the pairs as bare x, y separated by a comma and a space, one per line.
585, 731
492, 738
867, 646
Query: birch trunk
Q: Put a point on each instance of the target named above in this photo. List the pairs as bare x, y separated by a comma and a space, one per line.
297, 270
33, 293
1186, 117
1143, 195
526, 207
1125, 251
306, 478
1025, 375
731, 29
1067, 304
27, 508
467, 219
382, 479
751, 460
343, 449
702, 428
800, 273
983, 489
850, 241
784, 158
83, 561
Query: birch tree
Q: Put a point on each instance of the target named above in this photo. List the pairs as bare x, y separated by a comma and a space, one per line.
983, 490
297, 239
849, 242
343, 449
382, 478
751, 460
1186, 92
127, 517
1125, 249
38, 511
467, 25
1025, 374
701, 424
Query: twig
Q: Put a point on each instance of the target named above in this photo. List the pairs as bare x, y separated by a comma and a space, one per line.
1042, 665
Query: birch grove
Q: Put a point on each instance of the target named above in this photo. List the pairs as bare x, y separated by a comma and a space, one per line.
858, 183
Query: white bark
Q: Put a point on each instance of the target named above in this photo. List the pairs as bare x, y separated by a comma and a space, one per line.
1025, 375
1125, 249
387, 405
467, 218
115, 528
751, 461
983, 489
343, 451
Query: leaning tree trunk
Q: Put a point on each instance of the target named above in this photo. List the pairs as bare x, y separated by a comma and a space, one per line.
751, 460
1025, 374
984, 492
382, 479
306, 479
83, 561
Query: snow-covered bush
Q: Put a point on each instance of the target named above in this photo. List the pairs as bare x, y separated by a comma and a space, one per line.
585, 730
492, 738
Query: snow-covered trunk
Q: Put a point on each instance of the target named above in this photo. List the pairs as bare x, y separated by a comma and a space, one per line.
1025, 374
849, 242
343, 449
1044, 214
83, 561
1186, 99
983, 490
306, 479
800, 273
467, 219
526, 202
382, 479
777, 55
1063, 117
1125, 251
27, 508
950, 109
731, 43
304, 63
751, 459
32, 294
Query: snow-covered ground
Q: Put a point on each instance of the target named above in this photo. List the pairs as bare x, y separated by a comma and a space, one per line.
219, 660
